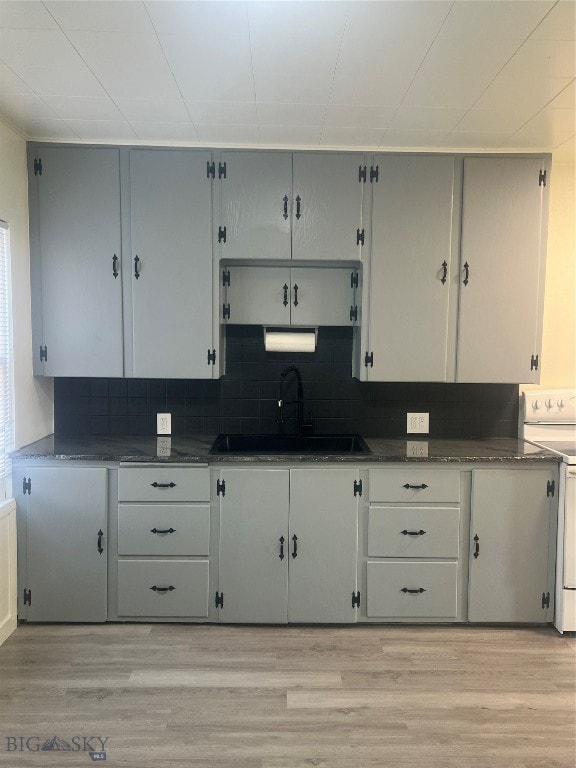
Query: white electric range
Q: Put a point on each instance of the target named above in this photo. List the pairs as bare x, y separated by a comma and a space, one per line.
549, 420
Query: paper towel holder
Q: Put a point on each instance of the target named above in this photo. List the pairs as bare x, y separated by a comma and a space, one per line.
289, 339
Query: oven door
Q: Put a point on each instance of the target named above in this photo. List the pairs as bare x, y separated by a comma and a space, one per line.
570, 529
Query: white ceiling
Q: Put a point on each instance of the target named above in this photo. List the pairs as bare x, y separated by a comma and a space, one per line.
471, 74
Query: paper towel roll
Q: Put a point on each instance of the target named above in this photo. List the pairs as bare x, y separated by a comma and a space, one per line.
289, 341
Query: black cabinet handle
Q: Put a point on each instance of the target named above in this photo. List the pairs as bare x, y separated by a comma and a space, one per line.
298, 201
295, 550
136, 262
163, 485
413, 533
285, 199
285, 289
281, 540
413, 591
114, 267
163, 589
444, 273
477, 546
295, 295
416, 487
466, 273
162, 530
100, 535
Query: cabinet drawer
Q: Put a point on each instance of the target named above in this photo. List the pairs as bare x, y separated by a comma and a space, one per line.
413, 532
188, 595
414, 485
163, 529
388, 585
163, 484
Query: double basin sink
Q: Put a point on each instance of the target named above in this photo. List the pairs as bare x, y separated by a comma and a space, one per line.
326, 445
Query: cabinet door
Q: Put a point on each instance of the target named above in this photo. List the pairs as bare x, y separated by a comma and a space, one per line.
78, 238
321, 296
253, 519
511, 516
502, 262
256, 197
66, 549
410, 267
259, 295
324, 520
327, 208
171, 206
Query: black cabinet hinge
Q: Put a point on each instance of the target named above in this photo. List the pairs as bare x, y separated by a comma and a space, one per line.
226, 311
354, 280
359, 237
212, 357
369, 359
542, 179
353, 314
27, 597
226, 277
550, 488
221, 170
43, 353
221, 234
27, 486
38, 167
210, 169
361, 173
356, 599
219, 601
534, 362
220, 488
358, 488
545, 599
374, 174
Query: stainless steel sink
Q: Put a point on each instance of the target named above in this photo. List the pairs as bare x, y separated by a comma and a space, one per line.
289, 444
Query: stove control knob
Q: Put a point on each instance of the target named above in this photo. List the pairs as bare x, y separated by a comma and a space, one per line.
549, 404
535, 405
561, 403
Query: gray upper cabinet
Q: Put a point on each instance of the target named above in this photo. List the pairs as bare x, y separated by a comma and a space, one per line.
66, 535
76, 261
511, 534
327, 207
411, 268
502, 263
275, 205
171, 211
256, 193
298, 296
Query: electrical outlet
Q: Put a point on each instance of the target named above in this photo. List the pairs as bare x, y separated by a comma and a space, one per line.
163, 446
417, 422
163, 423
416, 448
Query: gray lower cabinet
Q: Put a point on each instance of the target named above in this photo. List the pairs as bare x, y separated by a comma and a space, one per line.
502, 269
298, 296
76, 259
171, 214
63, 523
288, 545
163, 543
512, 545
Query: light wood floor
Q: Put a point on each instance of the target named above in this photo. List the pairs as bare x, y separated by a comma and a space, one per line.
292, 697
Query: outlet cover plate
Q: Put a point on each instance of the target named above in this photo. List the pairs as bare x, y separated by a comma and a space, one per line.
418, 422
163, 423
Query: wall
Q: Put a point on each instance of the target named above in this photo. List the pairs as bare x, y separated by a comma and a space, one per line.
246, 399
559, 339
33, 408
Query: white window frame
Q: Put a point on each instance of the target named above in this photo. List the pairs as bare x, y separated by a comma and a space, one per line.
6, 361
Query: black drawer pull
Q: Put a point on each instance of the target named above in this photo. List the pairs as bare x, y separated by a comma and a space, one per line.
281, 540
413, 533
476, 546
163, 589
295, 550
163, 485
412, 591
163, 530
99, 547
416, 487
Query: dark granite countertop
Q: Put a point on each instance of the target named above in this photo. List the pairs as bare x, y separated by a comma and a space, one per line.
195, 449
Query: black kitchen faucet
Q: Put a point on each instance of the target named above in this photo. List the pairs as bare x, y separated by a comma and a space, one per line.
299, 400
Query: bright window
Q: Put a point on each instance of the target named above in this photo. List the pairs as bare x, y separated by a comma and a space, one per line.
6, 418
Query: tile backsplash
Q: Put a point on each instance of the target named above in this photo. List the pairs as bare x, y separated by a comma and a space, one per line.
245, 400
